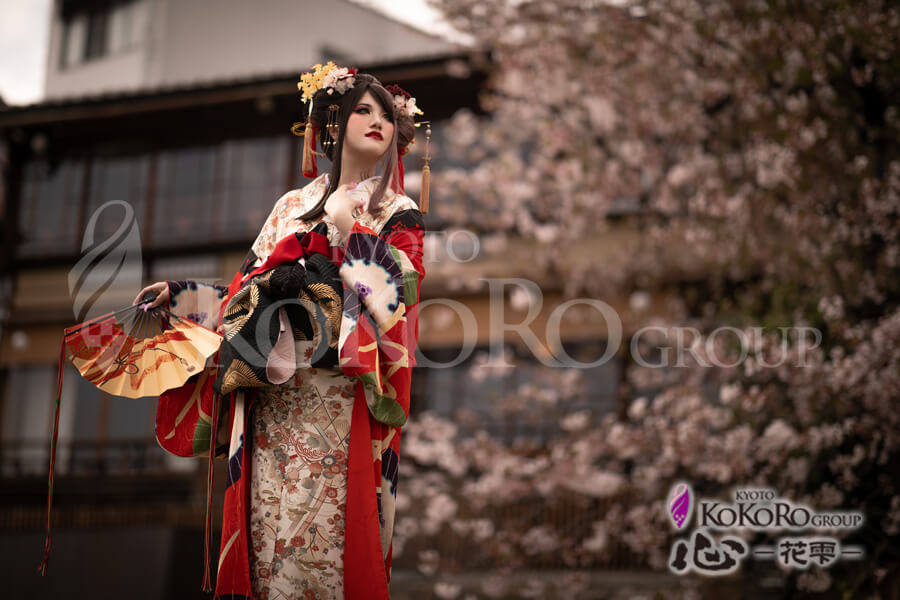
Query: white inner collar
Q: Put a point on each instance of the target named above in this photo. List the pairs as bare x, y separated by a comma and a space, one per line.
328, 179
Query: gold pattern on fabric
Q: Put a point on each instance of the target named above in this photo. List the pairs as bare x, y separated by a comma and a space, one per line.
332, 309
240, 375
244, 301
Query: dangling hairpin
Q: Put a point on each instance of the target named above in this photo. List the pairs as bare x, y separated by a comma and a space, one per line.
332, 126
331, 78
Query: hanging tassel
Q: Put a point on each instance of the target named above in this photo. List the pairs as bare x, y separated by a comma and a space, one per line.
310, 169
42, 569
206, 586
423, 193
426, 172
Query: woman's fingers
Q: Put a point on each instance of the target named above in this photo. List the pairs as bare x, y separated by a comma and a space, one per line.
161, 298
341, 200
160, 289
140, 295
355, 200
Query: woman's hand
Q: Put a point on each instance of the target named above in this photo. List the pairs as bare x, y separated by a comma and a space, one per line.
160, 288
341, 205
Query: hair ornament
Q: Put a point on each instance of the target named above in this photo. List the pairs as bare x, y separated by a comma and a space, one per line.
331, 78
403, 101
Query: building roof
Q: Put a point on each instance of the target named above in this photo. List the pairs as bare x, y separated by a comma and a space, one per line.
121, 103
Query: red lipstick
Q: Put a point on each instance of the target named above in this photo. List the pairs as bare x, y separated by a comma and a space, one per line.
374, 134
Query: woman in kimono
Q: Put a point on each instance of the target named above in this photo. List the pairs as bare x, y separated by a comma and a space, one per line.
312, 386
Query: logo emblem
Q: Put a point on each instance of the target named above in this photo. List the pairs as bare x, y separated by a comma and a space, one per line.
681, 501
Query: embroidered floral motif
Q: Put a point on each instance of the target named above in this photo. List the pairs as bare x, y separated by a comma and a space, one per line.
299, 476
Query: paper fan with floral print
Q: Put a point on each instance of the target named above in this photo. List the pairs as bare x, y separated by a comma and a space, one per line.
136, 352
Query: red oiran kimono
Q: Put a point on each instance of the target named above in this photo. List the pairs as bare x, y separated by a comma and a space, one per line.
381, 276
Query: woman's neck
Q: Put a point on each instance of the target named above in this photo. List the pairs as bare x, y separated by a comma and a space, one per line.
354, 170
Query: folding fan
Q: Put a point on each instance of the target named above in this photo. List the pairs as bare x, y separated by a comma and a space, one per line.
132, 352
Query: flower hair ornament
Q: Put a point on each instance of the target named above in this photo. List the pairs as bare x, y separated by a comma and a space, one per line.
333, 79
404, 103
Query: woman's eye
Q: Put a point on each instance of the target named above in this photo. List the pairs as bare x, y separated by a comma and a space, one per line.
362, 110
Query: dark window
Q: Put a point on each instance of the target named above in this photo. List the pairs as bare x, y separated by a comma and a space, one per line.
50, 216
89, 413
179, 198
254, 178
27, 416
114, 27
96, 35
74, 40
119, 179
185, 210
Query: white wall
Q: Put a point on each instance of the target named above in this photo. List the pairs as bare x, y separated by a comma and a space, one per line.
111, 74
120, 72
194, 41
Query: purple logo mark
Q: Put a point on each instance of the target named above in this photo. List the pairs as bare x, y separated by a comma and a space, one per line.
681, 500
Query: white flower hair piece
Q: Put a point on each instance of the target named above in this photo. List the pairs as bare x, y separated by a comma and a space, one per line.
403, 101
406, 105
339, 79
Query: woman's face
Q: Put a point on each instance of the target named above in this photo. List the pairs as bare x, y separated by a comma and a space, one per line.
369, 129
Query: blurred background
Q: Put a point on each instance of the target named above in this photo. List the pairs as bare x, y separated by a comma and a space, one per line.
662, 247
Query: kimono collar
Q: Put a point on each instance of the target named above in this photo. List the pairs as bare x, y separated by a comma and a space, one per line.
368, 185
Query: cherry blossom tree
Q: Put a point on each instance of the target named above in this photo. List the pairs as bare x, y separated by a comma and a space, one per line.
754, 147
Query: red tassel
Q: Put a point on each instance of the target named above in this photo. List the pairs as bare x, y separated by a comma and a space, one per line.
206, 585
397, 183
42, 569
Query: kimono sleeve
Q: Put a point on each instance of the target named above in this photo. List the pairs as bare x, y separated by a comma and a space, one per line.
382, 275
184, 414
272, 230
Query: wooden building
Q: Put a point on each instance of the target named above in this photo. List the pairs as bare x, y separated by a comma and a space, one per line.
173, 173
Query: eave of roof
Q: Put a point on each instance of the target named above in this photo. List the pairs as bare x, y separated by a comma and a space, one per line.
121, 103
